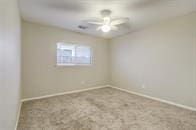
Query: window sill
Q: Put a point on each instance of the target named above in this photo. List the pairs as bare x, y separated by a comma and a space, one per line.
72, 65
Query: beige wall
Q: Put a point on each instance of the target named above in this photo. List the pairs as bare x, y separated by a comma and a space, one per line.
9, 63
42, 77
158, 61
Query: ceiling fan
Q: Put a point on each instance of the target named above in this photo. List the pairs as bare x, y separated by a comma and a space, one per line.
106, 24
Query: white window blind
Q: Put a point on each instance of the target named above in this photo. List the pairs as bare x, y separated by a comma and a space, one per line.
71, 54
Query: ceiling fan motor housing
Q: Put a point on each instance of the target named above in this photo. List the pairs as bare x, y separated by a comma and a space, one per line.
106, 13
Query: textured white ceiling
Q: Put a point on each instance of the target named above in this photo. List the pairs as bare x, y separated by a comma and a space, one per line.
69, 14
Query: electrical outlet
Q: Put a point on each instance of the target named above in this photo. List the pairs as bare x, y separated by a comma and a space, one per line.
143, 86
82, 82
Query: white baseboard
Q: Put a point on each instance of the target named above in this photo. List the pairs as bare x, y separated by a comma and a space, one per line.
18, 115
154, 98
63, 93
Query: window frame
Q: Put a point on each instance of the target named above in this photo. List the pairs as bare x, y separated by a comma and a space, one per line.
74, 64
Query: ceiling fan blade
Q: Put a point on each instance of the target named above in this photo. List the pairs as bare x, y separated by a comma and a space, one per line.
114, 28
119, 21
96, 23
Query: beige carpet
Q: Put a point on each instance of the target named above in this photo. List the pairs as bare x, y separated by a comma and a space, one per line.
103, 109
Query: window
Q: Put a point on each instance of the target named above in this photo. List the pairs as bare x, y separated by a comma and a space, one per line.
71, 54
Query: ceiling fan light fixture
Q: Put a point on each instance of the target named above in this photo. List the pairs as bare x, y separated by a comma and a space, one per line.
105, 28
106, 24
